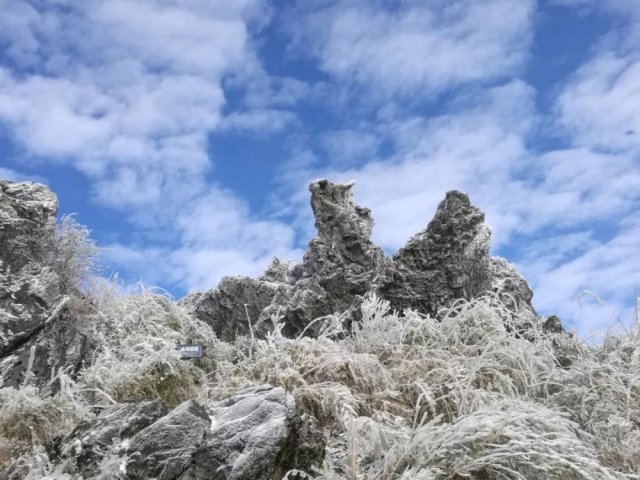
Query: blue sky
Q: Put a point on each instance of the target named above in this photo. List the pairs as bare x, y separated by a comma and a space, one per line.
185, 133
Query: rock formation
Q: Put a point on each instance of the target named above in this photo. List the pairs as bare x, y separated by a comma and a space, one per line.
257, 434
37, 334
448, 260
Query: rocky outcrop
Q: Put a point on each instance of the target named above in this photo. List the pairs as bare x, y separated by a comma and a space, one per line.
447, 261
257, 434
37, 333
229, 308
450, 260
341, 265
164, 449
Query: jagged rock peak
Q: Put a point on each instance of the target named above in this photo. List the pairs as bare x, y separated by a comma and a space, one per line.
335, 212
344, 231
456, 225
447, 261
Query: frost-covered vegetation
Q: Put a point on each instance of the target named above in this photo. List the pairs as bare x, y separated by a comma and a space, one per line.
404, 396
464, 394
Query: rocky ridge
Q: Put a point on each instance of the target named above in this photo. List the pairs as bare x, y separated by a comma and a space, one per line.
447, 261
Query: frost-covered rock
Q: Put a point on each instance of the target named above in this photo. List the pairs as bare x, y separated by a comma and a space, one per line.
27, 290
164, 450
257, 434
341, 263
224, 307
450, 260
447, 261
27, 212
111, 429
37, 334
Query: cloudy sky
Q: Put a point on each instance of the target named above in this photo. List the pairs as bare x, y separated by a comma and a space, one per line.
184, 132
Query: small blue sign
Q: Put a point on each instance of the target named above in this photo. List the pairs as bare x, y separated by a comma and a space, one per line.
190, 351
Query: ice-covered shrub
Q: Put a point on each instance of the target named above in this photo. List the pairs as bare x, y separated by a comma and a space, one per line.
137, 358
70, 252
478, 399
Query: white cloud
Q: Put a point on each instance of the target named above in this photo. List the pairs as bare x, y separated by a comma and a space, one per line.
600, 106
414, 48
218, 236
128, 92
618, 7
16, 24
347, 146
11, 175
259, 122
561, 268
125, 91
15, 176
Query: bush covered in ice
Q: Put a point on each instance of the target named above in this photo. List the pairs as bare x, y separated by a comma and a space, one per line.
399, 395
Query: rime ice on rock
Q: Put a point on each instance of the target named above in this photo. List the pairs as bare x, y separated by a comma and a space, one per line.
447, 261
35, 330
256, 434
450, 260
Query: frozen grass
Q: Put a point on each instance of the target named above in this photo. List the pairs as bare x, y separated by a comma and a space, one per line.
401, 396
31, 417
137, 358
461, 396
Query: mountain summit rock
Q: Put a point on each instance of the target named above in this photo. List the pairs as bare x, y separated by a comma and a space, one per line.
447, 261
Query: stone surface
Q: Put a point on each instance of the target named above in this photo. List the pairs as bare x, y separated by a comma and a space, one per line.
80, 448
164, 449
27, 211
224, 308
341, 265
28, 291
257, 434
448, 260
37, 333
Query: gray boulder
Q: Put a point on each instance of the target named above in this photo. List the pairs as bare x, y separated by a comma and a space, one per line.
28, 290
164, 449
80, 449
340, 266
224, 308
341, 263
446, 261
27, 213
256, 434
450, 260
